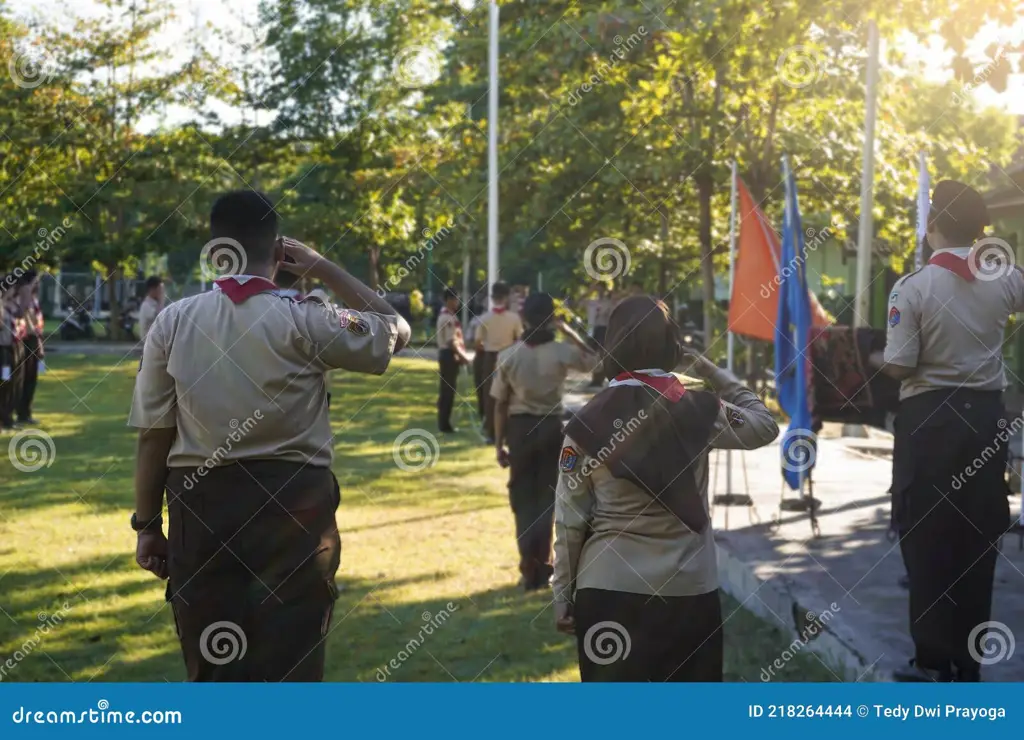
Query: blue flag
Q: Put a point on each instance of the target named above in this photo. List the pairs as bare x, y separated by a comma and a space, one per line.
792, 333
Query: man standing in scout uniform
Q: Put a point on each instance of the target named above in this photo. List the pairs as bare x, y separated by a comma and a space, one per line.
499, 328
32, 344
527, 389
944, 343
7, 400
152, 305
451, 355
231, 407
599, 309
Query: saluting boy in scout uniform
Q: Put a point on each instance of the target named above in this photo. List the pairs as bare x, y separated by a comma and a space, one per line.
945, 339
231, 407
499, 328
451, 355
527, 390
33, 352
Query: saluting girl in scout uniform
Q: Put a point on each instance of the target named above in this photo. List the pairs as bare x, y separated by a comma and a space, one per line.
634, 549
527, 390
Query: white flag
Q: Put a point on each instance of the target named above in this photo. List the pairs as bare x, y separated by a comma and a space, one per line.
923, 206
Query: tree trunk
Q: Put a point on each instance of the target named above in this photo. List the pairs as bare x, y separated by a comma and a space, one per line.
663, 262
115, 334
705, 189
374, 268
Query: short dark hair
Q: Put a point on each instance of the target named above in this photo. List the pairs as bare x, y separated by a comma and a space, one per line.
641, 334
247, 217
958, 212
500, 290
450, 293
538, 309
153, 281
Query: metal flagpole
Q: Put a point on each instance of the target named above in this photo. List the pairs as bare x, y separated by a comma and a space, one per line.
923, 205
730, 341
492, 157
862, 305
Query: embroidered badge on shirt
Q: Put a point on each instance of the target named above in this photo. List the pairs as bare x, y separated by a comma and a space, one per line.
893, 298
359, 327
894, 316
568, 460
734, 417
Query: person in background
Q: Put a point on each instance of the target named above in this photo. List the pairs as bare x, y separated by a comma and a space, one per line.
7, 365
34, 351
527, 390
949, 506
478, 363
451, 355
152, 305
19, 330
231, 407
499, 328
634, 545
599, 307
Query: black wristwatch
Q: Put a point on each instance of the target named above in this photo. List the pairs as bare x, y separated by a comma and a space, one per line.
156, 524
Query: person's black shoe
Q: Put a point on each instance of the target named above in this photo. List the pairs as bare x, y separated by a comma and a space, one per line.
29, 421
449, 430
914, 673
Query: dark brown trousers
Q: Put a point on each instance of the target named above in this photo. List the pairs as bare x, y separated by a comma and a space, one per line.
489, 364
636, 637
31, 356
254, 549
534, 444
11, 389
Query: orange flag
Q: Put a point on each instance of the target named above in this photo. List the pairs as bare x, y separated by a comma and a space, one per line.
754, 306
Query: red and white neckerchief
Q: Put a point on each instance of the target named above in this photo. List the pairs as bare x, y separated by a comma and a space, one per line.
666, 384
956, 261
499, 309
240, 288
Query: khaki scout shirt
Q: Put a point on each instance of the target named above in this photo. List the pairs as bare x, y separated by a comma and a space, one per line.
949, 328
147, 314
499, 328
247, 380
612, 535
531, 378
449, 330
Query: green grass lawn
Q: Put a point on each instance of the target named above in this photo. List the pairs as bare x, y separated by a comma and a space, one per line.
412, 543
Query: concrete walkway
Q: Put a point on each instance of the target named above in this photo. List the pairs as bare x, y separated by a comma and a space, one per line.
779, 570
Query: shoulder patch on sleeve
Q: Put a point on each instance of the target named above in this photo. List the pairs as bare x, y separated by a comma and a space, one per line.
734, 417
359, 327
567, 462
894, 316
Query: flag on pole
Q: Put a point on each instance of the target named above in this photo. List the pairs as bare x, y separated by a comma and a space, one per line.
923, 206
792, 335
754, 301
